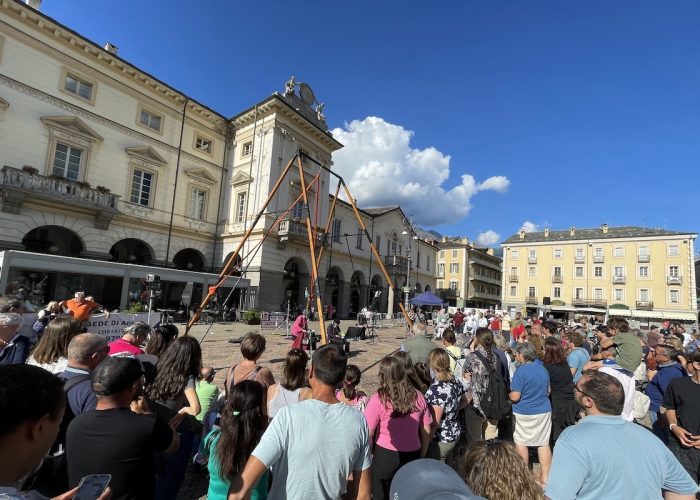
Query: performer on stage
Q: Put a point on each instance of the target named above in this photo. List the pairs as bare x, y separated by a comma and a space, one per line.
298, 331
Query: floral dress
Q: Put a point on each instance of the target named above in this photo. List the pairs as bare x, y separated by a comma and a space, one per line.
447, 395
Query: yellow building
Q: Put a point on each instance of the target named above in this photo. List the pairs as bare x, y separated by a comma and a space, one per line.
629, 271
468, 276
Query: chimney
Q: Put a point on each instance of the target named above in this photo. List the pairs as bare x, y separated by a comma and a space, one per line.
604, 228
34, 4
522, 233
464, 241
572, 231
111, 48
490, 251
546, 232
444, 239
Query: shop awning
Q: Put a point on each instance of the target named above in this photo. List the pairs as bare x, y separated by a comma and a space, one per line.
563, 308
619, 312
681, 315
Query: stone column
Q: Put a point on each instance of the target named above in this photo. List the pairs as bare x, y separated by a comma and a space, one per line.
390, 301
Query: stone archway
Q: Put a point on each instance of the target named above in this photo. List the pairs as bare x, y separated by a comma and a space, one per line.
132, 251
295, 280
189, 259
54, 240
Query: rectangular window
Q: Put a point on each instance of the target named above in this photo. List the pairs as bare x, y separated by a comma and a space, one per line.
598, 271
198, 202
598, 252
441, 269
532, 271
643, 271
644, 295
298, 211
454, 267
247, 149
619, 271
358, 240
618, 252
674, 271
378, 243
579, 272
77, 86
418, 259
203, 144
400, 250
442, 254
453, 285
675, 296
427, 263
439, 284
557, 292
141, 185
598, 293
557, 271
619, 295
514, 271
336, 231
531, 291
150, 120
579, 253
513, 291
514, 255
673, 250
66, 161
557, 253
240, 207
454, 254
388, 247
643, 251
578, 293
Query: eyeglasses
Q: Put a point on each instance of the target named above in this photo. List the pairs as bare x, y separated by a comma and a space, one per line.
576, 388
105, 348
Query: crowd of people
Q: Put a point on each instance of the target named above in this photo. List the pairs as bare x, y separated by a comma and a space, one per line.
605, 412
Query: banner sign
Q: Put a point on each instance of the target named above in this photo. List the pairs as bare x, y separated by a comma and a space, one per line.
272, 320
112, 328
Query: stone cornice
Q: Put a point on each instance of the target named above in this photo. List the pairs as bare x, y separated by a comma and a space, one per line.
108, 61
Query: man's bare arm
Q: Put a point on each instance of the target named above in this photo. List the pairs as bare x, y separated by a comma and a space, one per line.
244, 482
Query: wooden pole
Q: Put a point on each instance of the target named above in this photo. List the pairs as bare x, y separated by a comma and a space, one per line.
312, 251
328, 223
376, 253
225, 272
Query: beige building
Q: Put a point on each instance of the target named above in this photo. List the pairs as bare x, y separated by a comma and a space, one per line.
641, 273
110, 174
468, 276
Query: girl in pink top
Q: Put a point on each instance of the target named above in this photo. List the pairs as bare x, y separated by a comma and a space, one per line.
403, 420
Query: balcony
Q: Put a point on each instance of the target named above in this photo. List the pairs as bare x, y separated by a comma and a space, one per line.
396, 264
599, 303
19, 186
580, 259
598, 259
531, 300
447, 293
557, 278
293, 230
532, 259
484, 295
674, 280
619, 280
513, 278
645, 305
643, 258
485, 279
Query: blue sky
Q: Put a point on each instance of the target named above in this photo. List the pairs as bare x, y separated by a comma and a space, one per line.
563, 113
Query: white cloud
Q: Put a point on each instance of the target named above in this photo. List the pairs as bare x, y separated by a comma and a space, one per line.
488, 238
381, 168
530, 227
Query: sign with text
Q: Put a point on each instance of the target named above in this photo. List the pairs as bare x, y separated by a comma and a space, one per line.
272, 320
112, 328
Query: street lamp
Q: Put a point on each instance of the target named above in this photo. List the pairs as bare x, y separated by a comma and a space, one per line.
410, 230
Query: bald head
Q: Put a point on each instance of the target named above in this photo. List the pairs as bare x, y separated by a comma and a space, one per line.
207, 373
83, 348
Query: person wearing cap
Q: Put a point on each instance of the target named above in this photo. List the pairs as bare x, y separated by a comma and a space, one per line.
115, 440
428, 479
134, 337
314, 445
14, 347
604, 456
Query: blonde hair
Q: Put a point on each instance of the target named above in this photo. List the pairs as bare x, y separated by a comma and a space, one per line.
493, 469
440, 363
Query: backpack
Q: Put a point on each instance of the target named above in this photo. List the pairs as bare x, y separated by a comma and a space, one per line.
68, 385
494, 402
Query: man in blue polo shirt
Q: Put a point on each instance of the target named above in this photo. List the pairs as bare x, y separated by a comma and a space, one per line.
592, 459
85, 352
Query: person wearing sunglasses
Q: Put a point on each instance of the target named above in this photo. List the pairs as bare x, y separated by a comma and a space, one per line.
604, 456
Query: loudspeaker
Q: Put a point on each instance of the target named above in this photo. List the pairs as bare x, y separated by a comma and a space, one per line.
546, 301
355, 332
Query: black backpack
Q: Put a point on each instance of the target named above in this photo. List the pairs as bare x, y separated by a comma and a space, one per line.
68, 384
494, 402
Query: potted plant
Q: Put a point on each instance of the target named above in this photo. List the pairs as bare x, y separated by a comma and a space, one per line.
84, 184
252, 317
103, 190
30, 170
57, 177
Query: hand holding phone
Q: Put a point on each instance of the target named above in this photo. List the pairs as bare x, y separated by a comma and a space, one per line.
92, 487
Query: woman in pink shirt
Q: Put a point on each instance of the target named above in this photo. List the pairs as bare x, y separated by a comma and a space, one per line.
298, 331
402, 420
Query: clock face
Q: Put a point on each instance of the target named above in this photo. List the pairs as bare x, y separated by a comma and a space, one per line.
306, 94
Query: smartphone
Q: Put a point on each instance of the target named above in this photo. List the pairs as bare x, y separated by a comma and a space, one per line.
92, 486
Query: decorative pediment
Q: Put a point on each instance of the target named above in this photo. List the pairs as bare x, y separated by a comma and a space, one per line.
240, 178
200, 175
71, 125
146, 154
4, 104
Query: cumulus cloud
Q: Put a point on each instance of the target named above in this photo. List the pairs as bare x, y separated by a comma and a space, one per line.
381, 168
488, 238
530, 227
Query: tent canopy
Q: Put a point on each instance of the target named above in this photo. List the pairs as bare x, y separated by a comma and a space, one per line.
426, 299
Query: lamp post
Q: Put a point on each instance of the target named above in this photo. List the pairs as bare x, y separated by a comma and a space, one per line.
410, 230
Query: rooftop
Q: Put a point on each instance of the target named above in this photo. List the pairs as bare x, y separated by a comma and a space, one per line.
600, 233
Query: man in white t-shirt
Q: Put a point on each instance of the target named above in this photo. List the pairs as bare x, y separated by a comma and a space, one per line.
314, 445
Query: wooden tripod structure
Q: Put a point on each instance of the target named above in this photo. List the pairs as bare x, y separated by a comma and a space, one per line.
312, 240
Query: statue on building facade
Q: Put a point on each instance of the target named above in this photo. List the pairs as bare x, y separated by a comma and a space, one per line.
289, 86
319, 112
